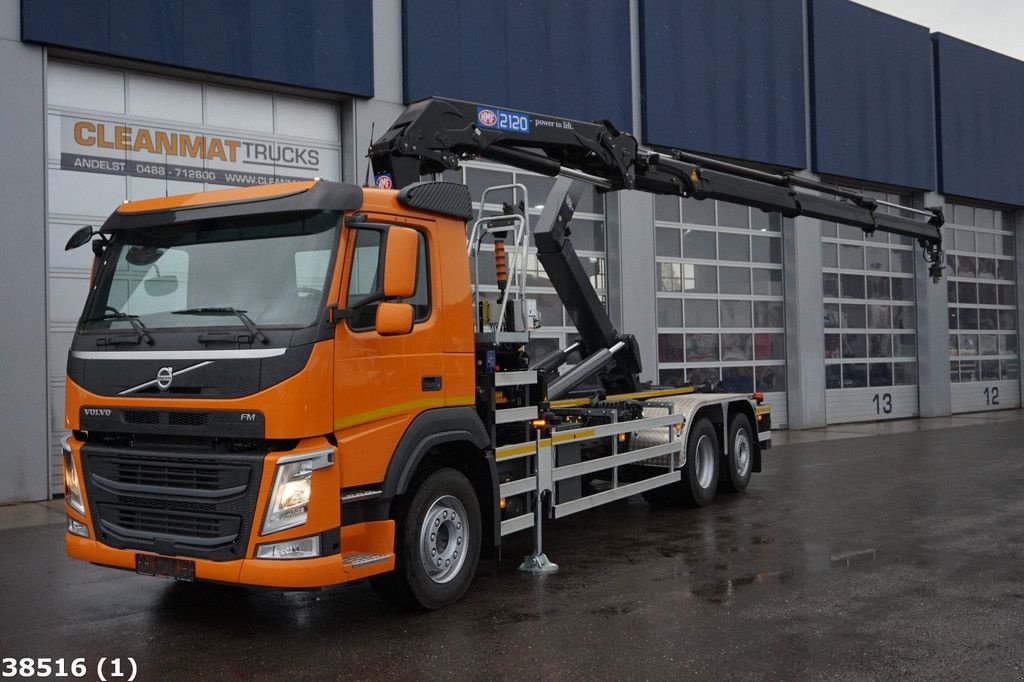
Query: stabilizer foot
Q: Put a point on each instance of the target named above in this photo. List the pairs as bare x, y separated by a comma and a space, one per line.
538, 564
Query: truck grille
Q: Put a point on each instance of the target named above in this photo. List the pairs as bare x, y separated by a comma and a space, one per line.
189, 504
141, 417
176, 475
195, 526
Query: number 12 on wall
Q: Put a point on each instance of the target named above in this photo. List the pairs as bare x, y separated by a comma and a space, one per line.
991, 395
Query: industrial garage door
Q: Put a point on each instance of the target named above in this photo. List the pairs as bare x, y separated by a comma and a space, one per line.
981, 273
114, 135
870, 330
720, 298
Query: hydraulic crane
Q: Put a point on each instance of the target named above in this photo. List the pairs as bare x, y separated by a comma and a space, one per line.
436, 134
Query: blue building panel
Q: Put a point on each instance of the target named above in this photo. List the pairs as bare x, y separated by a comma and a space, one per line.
725, 77
872, 96
981, 138
568, 58
320, 44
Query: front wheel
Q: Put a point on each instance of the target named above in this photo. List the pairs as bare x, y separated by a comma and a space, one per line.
437, 543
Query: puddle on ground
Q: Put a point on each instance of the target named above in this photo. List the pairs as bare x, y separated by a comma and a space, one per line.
722, 591
609, 611
854, 558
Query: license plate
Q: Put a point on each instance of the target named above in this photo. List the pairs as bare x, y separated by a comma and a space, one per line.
165, 567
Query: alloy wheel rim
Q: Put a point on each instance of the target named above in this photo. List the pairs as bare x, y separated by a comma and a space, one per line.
444, 537
705, 461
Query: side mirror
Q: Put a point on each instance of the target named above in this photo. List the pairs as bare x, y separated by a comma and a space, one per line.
81, 237
143, 255
162, 285
394, 319
401, 252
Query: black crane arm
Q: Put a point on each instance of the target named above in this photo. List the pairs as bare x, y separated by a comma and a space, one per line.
434, 135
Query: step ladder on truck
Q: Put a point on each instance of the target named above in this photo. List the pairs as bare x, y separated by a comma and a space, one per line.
375, 414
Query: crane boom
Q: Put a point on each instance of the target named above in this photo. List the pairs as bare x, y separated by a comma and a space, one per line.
435, 135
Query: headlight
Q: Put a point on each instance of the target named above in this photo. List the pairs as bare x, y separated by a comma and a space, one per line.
72, 488
289, 497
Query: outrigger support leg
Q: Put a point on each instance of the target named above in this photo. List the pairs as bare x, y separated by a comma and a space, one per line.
538, 562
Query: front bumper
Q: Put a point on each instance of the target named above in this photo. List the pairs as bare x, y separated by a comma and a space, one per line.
115, 479
362, 538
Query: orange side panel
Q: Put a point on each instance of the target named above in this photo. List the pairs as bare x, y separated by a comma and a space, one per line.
222, 196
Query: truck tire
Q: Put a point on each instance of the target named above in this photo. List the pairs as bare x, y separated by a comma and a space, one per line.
737, 465
437, 543
700, 474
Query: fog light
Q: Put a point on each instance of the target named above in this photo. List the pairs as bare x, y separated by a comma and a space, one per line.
301, 548
77, 528
72, 487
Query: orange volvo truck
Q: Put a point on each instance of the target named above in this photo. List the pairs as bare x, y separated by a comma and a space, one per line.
306, 384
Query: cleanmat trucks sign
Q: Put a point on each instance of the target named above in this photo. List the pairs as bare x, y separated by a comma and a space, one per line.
96, 146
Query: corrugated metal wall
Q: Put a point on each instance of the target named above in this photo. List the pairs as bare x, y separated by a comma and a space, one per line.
889, 103
725, 77
981, 136
321, 44
872, 97
569, 58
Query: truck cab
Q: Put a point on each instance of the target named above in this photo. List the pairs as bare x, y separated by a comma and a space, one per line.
250, 372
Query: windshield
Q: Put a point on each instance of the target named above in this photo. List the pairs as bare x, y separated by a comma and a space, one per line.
272, 269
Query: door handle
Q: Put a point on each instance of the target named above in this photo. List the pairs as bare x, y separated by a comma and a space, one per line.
431, 383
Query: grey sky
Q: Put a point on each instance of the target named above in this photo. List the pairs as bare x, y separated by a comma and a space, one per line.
995, 24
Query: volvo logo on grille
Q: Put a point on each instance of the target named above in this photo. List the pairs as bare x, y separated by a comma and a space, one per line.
164, 377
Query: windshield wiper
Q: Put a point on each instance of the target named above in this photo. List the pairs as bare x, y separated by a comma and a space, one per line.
133, 320
240, 314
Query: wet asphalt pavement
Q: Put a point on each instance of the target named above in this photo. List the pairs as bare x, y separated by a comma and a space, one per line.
873, 557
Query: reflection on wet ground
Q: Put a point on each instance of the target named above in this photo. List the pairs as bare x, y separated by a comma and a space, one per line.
873, 556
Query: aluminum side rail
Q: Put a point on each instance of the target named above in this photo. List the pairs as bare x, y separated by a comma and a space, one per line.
545, 472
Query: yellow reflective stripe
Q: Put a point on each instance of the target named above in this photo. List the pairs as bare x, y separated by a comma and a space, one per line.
562, 438
398, 408
657, 393
763, 409
573, 402
639, 395
507, 451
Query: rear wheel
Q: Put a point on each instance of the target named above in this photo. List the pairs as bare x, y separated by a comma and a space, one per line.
437, 544
737, 465
700, 475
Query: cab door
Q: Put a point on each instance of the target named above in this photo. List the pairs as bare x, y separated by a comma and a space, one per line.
382, 382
